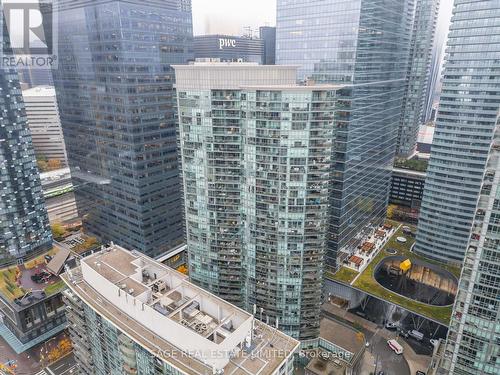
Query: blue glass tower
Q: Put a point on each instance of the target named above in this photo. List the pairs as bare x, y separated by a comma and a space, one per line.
465, 126
117, 105
363, 44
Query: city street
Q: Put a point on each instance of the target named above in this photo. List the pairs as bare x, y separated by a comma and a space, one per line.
387, 361
65, 366
377, 337
27, 363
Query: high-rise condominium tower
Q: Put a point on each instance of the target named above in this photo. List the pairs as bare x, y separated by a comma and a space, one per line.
362, 43
131, 315
467, 118
117, 105
24, 224
440, 37
417, 80
256, 158
473, 342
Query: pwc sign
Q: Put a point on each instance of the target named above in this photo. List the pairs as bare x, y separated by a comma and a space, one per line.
224, 42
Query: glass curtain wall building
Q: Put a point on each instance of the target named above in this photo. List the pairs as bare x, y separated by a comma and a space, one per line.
268, 35
364, 44
440, 37
256, 161
473, 342
118, 113
418, 77
24, 223
468, 115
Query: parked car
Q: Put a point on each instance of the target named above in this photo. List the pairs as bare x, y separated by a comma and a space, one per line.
434, 342
403, 333
416, 335
391, 325
394, 345
420, 373
40, 277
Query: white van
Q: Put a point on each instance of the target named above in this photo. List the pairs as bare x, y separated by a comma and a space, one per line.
394, 345
416, 335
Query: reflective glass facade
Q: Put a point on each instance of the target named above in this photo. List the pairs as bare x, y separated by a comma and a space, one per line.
467, 118
268, 36
287, 141
364, 44
256, 165
418, 78
473, 342
24, 224
117, 105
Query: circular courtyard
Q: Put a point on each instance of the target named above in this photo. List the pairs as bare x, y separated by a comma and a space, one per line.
422, 281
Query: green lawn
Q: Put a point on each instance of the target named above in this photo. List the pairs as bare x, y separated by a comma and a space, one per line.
345, 275
412, 164
366, 281
8, 284
54, 288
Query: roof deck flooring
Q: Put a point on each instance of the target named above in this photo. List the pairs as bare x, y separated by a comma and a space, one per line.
269, 352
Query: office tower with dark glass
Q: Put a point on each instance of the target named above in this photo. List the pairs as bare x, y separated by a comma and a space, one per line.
418, 79
364, 44
268, 36
24, 224
466, 121
117, 105
256, 153
30, 77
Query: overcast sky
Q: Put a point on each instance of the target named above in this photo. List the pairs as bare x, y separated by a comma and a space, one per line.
232, 16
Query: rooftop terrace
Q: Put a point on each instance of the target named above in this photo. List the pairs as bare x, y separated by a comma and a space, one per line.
365, 280
30, 282
161, 310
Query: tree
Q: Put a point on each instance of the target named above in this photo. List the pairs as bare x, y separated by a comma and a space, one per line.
65, 345
58, 230
54, 164
391, 210
42, 165
360, 336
